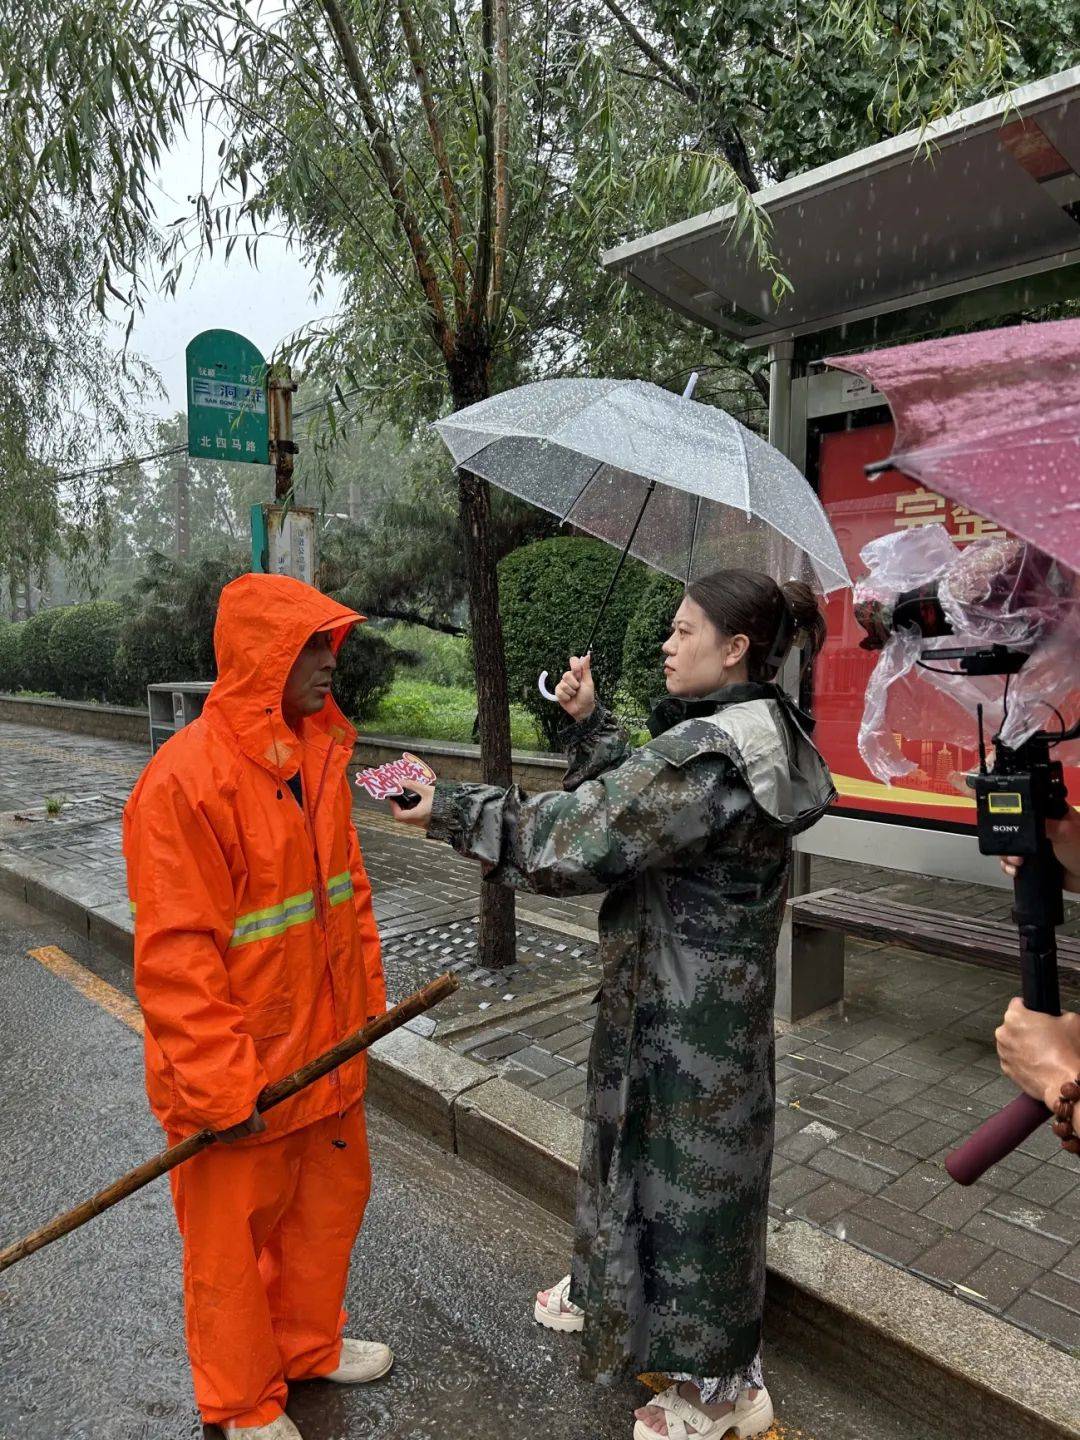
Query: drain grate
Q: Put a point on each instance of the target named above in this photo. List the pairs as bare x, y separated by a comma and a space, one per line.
544, 959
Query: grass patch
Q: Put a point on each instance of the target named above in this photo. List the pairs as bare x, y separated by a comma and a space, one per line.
420, 710
439, 659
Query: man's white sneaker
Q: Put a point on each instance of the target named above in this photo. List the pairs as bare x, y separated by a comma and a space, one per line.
280, 1429
361, 1361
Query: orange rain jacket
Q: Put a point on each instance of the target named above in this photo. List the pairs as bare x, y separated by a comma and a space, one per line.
255, 943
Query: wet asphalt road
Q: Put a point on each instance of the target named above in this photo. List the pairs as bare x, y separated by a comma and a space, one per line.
91, 1345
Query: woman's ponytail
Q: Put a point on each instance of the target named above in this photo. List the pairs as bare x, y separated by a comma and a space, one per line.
809, 621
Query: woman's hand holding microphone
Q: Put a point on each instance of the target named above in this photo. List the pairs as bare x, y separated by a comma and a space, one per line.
576, 692
1038, 1052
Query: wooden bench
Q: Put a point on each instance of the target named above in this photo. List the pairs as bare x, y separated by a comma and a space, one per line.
820, 922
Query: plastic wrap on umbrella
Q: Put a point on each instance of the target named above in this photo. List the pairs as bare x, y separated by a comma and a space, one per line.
996, 592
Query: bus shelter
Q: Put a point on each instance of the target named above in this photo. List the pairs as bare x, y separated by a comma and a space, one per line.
973, 221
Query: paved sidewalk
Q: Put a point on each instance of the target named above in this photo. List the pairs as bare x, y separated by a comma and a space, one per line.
869, 1102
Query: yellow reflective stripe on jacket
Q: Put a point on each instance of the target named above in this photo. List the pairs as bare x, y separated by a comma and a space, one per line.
274, 920
339, 888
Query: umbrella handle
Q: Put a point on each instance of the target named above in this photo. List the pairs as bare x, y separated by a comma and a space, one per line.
542, 684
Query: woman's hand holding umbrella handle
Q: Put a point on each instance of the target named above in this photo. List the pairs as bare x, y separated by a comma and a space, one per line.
576, 692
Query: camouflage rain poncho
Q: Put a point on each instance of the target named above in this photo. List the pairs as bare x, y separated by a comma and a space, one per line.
690, 836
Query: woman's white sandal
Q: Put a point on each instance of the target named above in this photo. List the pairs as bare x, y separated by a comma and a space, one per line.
687, 1421
560, 1313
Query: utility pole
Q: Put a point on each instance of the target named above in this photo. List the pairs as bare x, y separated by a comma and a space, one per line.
183, 510
280, 388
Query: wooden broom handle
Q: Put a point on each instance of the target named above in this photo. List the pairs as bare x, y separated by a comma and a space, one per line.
272, 1095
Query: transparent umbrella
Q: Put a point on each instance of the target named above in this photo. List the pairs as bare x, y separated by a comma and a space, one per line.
682, 486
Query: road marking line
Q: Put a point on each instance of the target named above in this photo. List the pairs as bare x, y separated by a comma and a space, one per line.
114, 1001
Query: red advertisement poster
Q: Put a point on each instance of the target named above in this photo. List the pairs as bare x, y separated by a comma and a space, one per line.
860, 510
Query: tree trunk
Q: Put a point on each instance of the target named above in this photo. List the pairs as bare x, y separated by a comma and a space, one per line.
469, 384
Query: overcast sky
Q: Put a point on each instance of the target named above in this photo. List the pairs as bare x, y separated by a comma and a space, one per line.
265, 304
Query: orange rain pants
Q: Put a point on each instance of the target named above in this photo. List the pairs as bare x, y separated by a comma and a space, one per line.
267, 1232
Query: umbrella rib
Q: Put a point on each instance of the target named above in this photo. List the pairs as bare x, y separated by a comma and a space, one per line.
581, 492
618, 567
693, 540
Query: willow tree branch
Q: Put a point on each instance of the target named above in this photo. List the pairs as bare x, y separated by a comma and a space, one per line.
681, 83
392, 175
502, 153
271, 128
488, 100
442, 157
728, 137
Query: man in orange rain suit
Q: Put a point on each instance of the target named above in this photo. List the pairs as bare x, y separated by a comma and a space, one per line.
256, 950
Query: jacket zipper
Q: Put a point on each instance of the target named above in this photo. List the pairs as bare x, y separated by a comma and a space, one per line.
309, 816
321, 908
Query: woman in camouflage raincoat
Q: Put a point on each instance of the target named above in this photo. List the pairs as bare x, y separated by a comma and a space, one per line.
690, 838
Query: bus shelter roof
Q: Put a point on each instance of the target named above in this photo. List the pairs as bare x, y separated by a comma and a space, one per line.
987, 195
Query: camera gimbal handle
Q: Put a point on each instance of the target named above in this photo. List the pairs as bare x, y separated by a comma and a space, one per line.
1038, 911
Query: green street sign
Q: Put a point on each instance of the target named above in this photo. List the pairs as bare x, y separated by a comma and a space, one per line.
226, 394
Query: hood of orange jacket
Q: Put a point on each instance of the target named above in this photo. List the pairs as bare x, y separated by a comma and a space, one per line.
263, 623
256, 947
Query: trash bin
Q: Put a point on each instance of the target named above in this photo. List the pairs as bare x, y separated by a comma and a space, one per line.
172, 706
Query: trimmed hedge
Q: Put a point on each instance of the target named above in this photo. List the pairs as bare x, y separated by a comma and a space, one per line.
549, 594
83, 646
35, 664
153, 648
10, 656
111, 651
364, 674
642, 664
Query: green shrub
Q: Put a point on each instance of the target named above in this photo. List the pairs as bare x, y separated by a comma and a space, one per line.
83, 646
35, 664
432, 656
549, 594
10, 657
153, 648
365, 672
172, 635
642, 665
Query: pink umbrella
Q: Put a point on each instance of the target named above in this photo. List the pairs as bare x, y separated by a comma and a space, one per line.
991, 420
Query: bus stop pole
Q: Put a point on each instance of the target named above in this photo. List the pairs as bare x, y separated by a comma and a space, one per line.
801, 984
280, 389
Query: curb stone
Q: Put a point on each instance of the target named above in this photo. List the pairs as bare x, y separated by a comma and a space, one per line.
916, 1345
863, 1318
